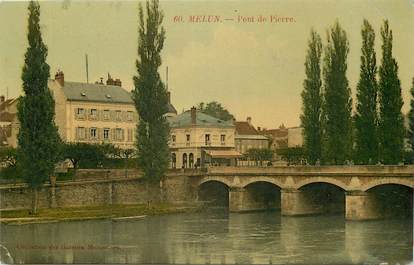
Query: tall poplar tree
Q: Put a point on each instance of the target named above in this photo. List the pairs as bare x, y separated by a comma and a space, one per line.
38, 137
366, 116
150, 95
337, 104
391, 123
312, 99
411, 118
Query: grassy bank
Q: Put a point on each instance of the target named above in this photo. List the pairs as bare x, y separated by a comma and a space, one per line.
89, 212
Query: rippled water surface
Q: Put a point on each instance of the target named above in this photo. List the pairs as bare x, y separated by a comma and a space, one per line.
214, 237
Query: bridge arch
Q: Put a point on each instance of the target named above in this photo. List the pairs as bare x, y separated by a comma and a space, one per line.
407, 182
222, 180
332, 181
213, 193
274, 181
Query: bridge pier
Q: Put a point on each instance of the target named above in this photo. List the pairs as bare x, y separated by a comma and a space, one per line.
361, 206
242, 200
298, 202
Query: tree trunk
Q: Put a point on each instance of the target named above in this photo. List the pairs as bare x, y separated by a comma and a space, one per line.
34, 200
148, 194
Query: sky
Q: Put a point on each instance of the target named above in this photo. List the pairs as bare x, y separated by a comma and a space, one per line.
254, 68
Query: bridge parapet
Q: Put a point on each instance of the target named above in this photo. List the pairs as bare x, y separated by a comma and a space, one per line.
369, 170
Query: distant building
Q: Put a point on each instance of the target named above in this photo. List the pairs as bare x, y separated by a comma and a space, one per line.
90, 113
247, 137
278, 138
199, 140
9, 125
295, 137
283, 137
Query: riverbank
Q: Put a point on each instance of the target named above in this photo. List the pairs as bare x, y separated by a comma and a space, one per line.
49, 215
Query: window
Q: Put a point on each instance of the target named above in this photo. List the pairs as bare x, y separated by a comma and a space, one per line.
207, 139
119, 134
80, 113
130, 137
223, 139
93, 133
106, 134
187, 139
173, 139
184, 160
93, 114
106, 114
173, 160
80, 133
118, 115
191, 160
129, 115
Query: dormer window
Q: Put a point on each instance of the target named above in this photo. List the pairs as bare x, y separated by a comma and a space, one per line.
83, 94
108, 96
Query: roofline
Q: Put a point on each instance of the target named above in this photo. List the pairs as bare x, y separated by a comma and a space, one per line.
195, 126
109, 102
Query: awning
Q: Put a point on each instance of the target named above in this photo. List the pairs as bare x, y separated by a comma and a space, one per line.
223, 153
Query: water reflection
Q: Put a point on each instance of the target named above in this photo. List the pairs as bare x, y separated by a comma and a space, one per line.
214, 237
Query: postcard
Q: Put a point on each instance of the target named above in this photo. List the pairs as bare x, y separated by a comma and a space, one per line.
206, 132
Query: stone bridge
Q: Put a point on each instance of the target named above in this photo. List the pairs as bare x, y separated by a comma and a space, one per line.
361, 192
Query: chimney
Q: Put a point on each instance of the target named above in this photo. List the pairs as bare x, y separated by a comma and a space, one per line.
249, 120
193, 115
60, 78
2, 98
117, 82
109, 81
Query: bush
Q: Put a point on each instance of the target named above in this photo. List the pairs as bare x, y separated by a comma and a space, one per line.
13, 172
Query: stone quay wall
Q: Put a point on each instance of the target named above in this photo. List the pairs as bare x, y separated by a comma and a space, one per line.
104, 190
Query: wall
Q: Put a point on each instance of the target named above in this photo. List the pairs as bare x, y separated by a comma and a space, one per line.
176, 189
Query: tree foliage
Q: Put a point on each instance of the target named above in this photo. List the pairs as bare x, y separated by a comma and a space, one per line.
260, 154
312, 99
84, 155
38, 137
150, 95
337, 105
366, 117
216, 110
293, 155
391, 122
8, 156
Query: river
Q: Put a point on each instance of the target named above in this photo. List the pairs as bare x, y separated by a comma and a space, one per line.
214, 237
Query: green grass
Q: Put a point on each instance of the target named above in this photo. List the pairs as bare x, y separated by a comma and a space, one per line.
104, 211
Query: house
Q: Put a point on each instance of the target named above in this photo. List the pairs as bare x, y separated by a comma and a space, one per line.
295, 137
93, 113
278, 137
199, 140
247, 137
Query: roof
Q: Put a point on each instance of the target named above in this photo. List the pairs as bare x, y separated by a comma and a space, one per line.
76, 91
202, 120
251, 137
171, 108
245, 128
223, 153
276, 132
6, 103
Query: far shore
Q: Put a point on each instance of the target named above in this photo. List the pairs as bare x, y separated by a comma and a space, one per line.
117, 212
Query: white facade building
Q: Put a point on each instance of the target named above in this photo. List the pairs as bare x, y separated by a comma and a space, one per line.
198, 140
